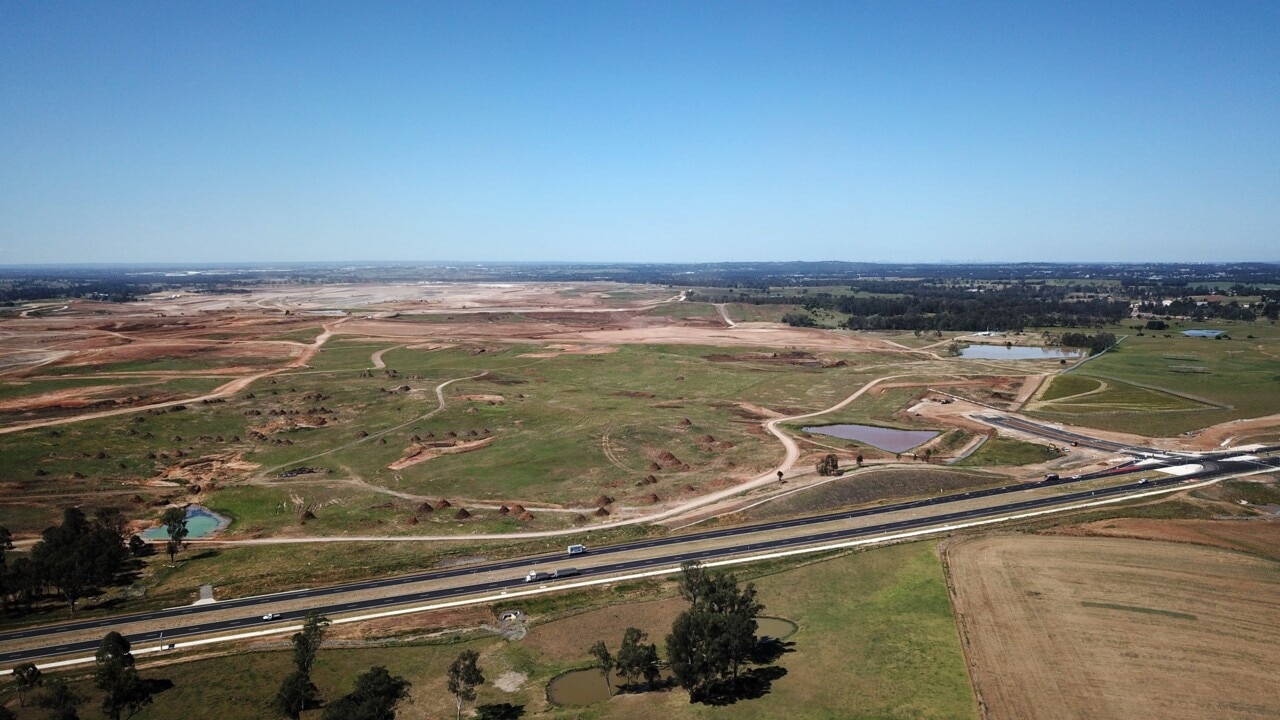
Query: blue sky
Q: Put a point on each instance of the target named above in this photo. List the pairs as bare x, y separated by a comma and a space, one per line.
648, 131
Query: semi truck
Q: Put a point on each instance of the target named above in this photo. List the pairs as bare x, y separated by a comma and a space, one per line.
539, 576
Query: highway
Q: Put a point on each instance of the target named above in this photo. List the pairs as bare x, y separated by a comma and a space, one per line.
669, 552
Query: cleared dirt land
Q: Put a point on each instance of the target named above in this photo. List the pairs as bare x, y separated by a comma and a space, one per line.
1088, 627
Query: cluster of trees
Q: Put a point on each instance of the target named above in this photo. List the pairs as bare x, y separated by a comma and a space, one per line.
124, 693
72, 559
1096, 343
78, 556
635, 659
711, 640
708, 644
829, 465
376, 692
1230, 310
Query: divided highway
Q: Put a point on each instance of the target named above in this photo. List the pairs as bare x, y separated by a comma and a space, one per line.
668, 552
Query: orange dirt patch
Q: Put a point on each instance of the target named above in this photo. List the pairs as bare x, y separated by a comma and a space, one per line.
417, 453
217, 467
67, 398
480, 398
1079, 627
557, 350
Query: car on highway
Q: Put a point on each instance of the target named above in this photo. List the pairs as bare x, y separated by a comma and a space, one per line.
271, 616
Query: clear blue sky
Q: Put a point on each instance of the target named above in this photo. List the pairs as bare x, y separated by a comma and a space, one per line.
648, 131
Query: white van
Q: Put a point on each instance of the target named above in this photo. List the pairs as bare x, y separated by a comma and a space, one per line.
577, 549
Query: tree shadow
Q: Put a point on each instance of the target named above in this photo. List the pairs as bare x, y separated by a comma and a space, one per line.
768, 650
749, 685
660, 685
206, 555
156, 686
499, 711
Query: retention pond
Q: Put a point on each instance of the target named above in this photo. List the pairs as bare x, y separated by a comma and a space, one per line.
889, 439
1000, 352
201, 522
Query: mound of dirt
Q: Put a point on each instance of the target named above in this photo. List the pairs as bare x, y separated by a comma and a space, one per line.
462, 514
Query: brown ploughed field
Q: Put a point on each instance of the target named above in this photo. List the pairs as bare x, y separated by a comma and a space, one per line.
1091, 627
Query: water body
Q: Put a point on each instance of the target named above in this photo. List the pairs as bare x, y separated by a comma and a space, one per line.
1000, 352
201, 522
895, 441
776, 628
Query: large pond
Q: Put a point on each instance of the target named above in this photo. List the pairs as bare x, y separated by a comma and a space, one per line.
584, 687
201, 522
1017, 352
889, 439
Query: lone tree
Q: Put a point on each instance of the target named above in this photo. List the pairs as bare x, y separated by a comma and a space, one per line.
28, 677
175, 524
604, 661
710, 640
117, 678
298, 692
307, 642
828, 465
375, 696
464, 676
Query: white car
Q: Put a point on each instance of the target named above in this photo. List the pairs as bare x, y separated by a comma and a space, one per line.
270, 616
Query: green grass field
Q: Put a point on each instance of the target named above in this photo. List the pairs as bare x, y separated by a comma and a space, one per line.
565, 429
1149, 395
1002, 451
1062, 386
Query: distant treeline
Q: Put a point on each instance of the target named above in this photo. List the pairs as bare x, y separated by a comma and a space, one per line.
935, 306
1142, 281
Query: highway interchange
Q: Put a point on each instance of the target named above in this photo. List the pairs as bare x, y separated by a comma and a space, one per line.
506, 575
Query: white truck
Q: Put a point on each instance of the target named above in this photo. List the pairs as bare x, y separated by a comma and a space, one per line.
539, 576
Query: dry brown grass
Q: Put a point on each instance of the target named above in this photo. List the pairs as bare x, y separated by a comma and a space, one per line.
1087, 627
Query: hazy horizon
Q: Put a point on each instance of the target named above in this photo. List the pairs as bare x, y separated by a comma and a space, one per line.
639, 133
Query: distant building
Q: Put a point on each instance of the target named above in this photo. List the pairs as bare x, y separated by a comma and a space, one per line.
1204, 333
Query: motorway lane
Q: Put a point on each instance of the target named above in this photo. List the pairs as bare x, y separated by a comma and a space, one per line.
1053, 433
643, 564
523, 563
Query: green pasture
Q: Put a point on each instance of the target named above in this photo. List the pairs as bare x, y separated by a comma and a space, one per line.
747, 312
1061, 386
550, 431
1148, 395
1007, 452
685, 310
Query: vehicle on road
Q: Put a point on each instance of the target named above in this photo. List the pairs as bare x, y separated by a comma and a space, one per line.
577, 549
1051, 477
270, 616
539, 576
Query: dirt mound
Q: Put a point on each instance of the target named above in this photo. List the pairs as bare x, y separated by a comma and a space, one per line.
421, 452
462, 514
